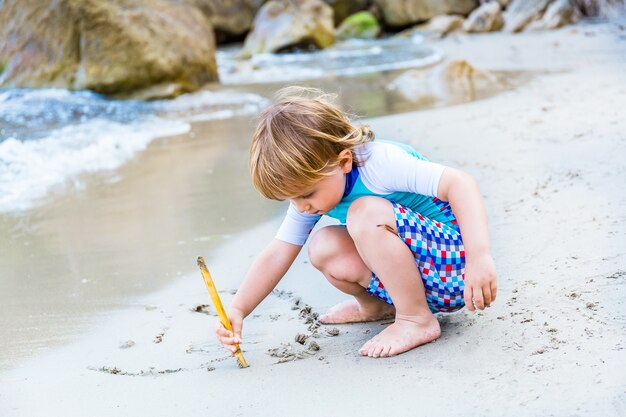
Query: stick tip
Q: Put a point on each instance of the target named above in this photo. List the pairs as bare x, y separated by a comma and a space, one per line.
200, 261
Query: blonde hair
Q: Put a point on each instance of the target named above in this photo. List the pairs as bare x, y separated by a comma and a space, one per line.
298, 140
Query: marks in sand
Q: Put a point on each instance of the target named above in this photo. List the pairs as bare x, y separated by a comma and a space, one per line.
305, 345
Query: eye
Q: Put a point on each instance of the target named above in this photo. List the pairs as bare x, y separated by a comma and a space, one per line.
308, 195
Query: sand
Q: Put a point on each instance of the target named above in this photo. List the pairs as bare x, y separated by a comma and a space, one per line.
549, 157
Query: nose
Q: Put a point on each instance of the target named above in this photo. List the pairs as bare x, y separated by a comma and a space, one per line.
303, 207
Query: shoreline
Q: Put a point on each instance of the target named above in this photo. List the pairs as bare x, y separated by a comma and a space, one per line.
549, 165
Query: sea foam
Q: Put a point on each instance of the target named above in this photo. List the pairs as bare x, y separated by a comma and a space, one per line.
49, 137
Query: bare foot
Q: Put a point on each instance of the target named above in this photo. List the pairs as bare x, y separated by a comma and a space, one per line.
351, 311
404, 334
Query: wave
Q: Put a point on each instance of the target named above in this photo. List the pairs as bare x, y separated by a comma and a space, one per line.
49, 137
30, 169
344, 59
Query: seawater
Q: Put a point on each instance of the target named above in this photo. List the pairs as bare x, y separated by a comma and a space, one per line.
49, 137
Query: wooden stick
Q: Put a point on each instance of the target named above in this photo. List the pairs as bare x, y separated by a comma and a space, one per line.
219, 307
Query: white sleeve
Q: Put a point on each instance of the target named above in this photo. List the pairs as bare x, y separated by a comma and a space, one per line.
296, 226
389, 168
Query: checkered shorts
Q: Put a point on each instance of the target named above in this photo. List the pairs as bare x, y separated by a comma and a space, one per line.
439, 255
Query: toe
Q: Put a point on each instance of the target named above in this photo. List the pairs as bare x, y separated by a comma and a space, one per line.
385, 351
365, 348
378, 350
372, 347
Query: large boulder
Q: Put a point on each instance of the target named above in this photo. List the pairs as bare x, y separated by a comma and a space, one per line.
403, 13
503, 3
111, 47
452, 82
231, 19
440, 26
604, 8
521, 12
486, 18
559, 13
39, 46
284, 23
360, 25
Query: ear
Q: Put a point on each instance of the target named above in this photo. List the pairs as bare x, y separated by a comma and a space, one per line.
345, 160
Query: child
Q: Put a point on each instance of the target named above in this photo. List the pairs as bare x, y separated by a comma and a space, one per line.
401, 217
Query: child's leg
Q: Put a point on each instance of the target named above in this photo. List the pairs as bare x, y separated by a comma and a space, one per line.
332, 251
392, 261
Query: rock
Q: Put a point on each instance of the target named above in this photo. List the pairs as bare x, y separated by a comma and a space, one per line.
486, 18
440, 25
283, 23
603, 8
332, 332
453, 82
231, 19
402, 13
110, 47
38, 47
359, 25
129, 45
127, 344
521, 12
313, 346
558, 13
344, 8
503, 3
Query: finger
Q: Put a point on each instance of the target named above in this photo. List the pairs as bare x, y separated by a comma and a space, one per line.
231, 348
494, 291
467, 297
478, 299
229, 340
223, 332
487, 295
237, 325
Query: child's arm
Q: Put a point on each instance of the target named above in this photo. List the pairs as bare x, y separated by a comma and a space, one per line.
461, 191
266, 271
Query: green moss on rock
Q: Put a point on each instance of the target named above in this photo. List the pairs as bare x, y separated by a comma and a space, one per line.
359, 25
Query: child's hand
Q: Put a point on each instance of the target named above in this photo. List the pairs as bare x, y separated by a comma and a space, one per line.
227, 338
480, 282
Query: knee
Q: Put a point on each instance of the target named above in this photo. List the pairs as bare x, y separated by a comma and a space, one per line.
365, 214
323, 247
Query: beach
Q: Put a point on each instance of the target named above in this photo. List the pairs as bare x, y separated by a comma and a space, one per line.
548, 156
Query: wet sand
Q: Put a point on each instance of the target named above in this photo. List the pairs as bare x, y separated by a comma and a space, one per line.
549, 159
91, 250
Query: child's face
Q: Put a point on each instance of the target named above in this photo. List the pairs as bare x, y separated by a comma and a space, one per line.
327, 192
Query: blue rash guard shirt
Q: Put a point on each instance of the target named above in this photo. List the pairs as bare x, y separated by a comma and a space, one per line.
391, 170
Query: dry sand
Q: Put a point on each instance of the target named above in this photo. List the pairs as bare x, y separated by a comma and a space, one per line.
550, 160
